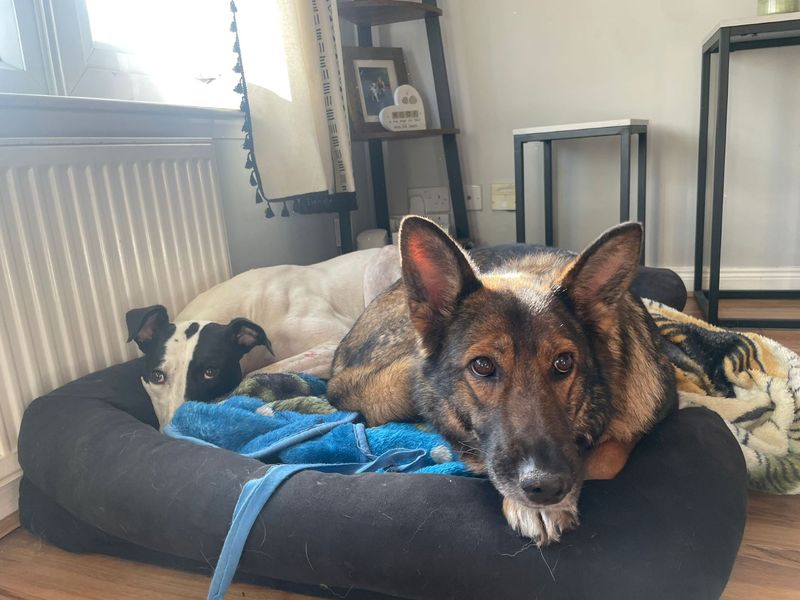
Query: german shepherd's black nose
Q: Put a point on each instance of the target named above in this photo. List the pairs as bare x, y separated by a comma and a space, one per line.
546, 488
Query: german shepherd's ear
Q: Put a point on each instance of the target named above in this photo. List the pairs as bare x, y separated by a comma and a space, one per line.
603, 272
437, 276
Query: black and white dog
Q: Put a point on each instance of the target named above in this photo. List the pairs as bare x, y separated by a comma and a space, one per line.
199, 360
307, 310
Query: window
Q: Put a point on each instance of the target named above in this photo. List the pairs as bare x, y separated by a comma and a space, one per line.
173, 51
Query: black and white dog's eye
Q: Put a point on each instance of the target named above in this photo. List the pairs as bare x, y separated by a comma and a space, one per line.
210, 373
157, 376
563, 363
483, 366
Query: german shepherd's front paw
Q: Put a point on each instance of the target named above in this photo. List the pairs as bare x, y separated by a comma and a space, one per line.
543, 526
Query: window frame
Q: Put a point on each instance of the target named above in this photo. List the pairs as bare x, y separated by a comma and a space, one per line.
34, 75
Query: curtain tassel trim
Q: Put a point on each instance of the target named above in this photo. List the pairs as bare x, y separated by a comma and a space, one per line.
307, 204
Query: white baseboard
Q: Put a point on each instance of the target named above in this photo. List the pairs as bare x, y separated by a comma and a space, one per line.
747, 278
9, 495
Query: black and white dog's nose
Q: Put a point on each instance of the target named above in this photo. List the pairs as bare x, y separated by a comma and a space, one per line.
545, 488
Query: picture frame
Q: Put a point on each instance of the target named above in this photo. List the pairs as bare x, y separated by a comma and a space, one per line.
371, 76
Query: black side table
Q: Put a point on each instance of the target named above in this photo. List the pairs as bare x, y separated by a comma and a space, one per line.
743, 34
624, 128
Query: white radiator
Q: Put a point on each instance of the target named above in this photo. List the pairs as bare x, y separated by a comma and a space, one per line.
90, 228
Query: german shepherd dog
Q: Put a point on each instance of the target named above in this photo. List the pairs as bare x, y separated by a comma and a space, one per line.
542, 372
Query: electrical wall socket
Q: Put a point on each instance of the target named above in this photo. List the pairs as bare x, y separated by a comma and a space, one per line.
441, 219
416, 204
434, 199
503, 196
473, 197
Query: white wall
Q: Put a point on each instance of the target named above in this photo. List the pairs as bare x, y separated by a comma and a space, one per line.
516, 63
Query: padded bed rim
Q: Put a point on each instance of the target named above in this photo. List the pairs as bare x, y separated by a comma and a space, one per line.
412, 536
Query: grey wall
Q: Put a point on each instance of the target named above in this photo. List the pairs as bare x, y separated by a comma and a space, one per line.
515, 63
256, 241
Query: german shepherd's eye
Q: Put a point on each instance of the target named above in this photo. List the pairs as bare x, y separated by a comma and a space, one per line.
483, 366
210, 373
563, 363
158, 377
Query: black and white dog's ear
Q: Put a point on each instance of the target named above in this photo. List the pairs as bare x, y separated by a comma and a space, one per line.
144, 324
246, 335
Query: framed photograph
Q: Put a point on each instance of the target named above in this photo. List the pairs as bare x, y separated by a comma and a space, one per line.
371, 77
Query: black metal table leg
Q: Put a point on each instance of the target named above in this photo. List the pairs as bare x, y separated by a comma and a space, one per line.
379, 197
625, 176
719, 174
345, 231
702, 169
519, 188
641, 193
547, 151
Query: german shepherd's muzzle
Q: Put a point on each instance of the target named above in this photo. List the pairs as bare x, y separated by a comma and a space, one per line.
541, 372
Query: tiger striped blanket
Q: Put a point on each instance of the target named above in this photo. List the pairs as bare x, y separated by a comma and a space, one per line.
751, 381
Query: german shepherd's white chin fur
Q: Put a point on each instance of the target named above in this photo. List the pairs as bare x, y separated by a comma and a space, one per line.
544, 525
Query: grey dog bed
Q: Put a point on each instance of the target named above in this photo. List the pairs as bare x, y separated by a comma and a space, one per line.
99, 477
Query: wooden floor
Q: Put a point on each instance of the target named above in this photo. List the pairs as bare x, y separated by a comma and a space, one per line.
33, 570
768, 565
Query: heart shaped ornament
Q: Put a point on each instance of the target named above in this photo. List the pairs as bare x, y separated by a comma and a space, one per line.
407, 113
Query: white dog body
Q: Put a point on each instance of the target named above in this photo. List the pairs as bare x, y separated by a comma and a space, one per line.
305, 310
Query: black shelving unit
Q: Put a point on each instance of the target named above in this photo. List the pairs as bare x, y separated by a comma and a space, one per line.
366, 14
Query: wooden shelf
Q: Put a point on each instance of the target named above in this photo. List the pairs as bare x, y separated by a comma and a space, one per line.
383, 12
403, 135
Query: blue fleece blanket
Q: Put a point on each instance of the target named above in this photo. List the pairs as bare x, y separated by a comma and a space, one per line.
259, 423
